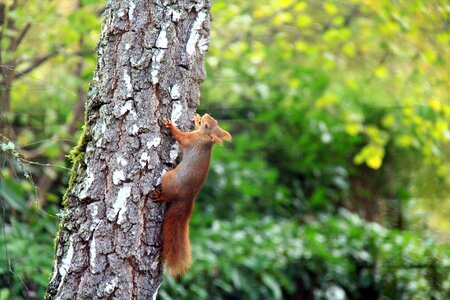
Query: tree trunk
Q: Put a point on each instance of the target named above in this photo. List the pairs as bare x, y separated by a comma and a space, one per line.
150, 65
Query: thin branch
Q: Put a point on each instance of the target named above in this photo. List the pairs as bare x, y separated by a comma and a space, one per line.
13, 5
9, 21
15, 43
36, 63
2, 21
69, 54
354, 12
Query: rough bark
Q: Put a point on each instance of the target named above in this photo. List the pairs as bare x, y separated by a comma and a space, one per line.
150, 65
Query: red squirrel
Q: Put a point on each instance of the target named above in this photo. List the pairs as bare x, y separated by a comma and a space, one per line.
180, 186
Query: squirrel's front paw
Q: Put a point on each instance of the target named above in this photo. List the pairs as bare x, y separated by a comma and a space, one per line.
197, 121
156, 195
167, 123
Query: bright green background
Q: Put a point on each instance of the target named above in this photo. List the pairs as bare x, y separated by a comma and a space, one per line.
336, 185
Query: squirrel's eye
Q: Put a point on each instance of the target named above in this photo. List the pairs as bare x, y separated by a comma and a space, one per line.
206, 125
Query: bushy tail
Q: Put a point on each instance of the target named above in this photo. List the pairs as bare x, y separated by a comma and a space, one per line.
176, 247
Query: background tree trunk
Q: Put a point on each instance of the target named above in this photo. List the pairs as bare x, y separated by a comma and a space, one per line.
9, 46
150, 65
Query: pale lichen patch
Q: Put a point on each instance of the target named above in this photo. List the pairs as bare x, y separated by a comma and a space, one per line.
162, 41
156, 64
65, 263
89, 179
98, 144
154, 142
176, 15
128, 106
92, 254
93, 210
203, 44
177, 111
123, 162
144, 159
195, 33
99, 129
173, 153
121, 216
120, 13
154, 264
127, 80
140, 62
120, 202
118, 176
111, 286
134, 129
175, 92
131, 10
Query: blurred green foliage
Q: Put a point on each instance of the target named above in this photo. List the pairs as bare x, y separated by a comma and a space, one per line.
336, 185
334, 257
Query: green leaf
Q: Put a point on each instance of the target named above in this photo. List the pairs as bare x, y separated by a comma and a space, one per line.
11, 192
4, 294
272, 284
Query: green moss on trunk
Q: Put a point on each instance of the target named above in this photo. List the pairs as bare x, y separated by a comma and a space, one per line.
76, 155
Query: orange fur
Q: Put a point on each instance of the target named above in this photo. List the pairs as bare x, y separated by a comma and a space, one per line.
176, 246
181, 185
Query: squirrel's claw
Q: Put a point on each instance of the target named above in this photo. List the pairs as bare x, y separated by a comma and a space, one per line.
167, 123
197, 120
156, 196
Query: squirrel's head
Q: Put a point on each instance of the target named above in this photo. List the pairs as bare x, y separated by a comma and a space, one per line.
210, 127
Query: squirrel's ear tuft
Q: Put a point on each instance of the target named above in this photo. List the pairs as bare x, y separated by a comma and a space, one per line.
222, 134
226, 135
